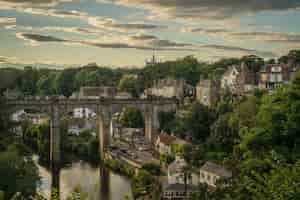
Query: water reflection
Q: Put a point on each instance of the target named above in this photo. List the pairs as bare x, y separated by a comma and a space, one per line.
99, 183
105, 183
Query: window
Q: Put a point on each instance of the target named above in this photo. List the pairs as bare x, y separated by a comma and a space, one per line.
202, 175
276, 69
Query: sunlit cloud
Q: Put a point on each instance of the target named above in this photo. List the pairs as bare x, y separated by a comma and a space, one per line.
212, 11
111, 24
11, 4
7, 20
114, 43
253, 35
77, 30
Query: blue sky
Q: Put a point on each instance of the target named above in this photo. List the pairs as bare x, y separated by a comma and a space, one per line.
123, 33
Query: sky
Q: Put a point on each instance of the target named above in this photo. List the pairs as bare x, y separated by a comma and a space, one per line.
125, 33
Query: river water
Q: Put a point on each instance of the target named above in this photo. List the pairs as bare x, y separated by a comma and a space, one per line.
98, 182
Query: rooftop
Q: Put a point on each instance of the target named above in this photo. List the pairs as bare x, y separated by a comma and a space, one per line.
177, 165
166, 138
216, 169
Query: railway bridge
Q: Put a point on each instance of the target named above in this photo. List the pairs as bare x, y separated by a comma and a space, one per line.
104, 108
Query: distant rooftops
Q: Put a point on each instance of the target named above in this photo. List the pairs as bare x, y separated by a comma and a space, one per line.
216, 169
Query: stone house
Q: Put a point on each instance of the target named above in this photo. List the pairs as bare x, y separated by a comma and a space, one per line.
229, 79
239, 80
273, 76
175, 187
35, 118
210, 173
246, 80
178, 191
163, 143
207, 92
168, 88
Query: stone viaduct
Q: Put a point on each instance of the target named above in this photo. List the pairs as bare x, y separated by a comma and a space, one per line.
104, 108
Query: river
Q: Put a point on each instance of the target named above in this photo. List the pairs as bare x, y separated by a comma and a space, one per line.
100, 183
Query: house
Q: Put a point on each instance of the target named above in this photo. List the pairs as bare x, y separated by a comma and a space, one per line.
178, 191
168, 88
207, 92
35, 118
210, 173
164, 142
273, 76
175, 187
18, 116
246, 80
229, 79
239, 80
83, 113
176, 171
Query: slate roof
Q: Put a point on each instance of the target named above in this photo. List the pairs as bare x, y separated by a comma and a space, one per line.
216, 169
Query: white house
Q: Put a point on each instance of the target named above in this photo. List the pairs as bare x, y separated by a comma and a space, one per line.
83, 113
210, 173
17, 116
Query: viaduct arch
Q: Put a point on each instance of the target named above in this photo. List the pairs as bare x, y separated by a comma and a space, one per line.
104, 108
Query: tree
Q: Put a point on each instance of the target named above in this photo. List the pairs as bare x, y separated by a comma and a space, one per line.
65, 82
46, 84
132, 118
152, 168
196, 122
29, 80
166, 121
18, 173
129, 84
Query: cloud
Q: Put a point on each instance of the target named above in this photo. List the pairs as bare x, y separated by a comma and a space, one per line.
135, 42
3, 59
128, 43
106, 23
239, 50
111, 24
207, 10
253, 35
7, 20
144, 37
9, 4
54, 12
77, 30
41, 38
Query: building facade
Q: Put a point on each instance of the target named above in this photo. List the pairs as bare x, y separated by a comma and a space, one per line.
168, 88
83, 113
210, 173
207, 92
163, 143
175, 187
273, 76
